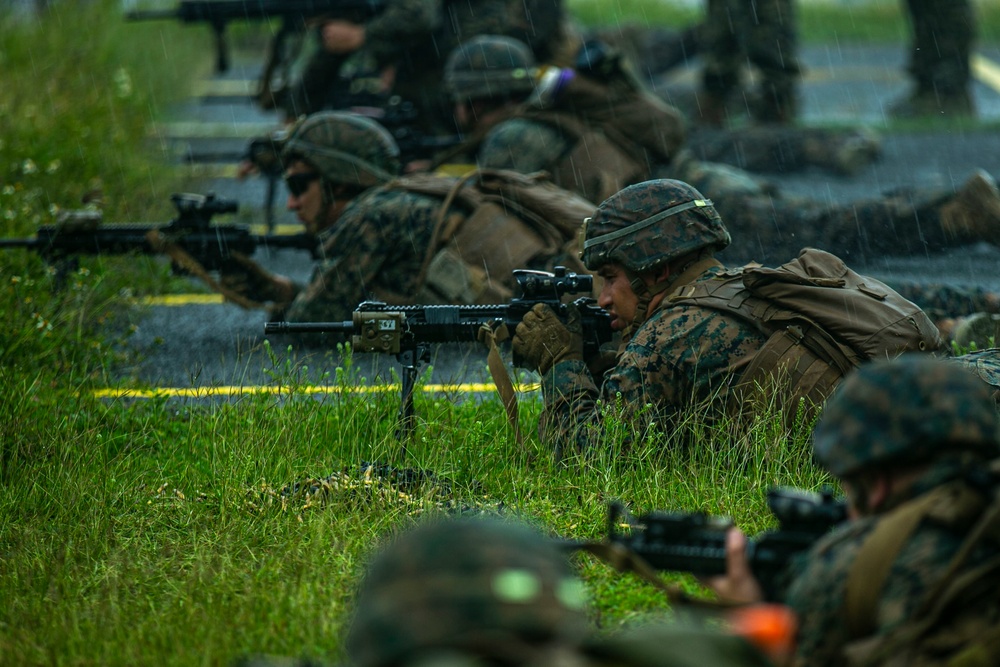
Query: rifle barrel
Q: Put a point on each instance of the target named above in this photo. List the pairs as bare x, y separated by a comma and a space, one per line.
308, 327
151, 14
18, 243
222, 11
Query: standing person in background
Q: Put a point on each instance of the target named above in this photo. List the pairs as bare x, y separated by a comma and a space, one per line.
761, 33
943, 36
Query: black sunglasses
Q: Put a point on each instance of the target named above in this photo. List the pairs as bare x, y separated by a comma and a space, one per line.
298, 183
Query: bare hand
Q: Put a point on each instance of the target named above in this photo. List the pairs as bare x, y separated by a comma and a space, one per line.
738, 585
343, 36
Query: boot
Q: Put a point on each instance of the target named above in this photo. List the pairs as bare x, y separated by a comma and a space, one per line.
973, 213
842, 152
931, 104
981, 330
711, 111
774, 105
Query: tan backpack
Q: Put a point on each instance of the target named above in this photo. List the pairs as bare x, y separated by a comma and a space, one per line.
822, 320
958, 622
619, 131
508, 221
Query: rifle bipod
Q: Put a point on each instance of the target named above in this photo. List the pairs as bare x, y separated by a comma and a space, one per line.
409, 361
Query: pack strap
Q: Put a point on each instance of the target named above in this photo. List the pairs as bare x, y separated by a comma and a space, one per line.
161, 244
952, 589
491, 336
443, 232
624, 559
875, 559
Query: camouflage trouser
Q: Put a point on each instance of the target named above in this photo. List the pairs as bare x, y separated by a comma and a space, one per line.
332, 81
784, 149
774, 228
943, 33
940, 301
761, 32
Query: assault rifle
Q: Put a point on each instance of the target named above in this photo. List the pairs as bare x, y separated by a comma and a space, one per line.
294, 14
696, 542
408, 331
192, 231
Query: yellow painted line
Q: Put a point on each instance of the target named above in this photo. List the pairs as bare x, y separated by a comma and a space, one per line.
986, 71
227, 87
278, 229
202, 130
233, 391
212, 170
181, 300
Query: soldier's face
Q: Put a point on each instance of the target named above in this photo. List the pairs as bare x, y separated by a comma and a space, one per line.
305, 195
617, 296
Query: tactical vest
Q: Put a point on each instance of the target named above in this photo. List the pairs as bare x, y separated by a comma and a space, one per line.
489, 224
821, 318
957, 624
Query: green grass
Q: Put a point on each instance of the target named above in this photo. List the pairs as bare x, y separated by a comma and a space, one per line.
154, 532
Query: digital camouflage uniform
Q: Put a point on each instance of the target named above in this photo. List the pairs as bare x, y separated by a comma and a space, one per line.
376, 248
761, 33
943, 36
783, 149
909, 411
769, 227
940, 301
677, 357
401, 25
415, 36
681, 357
570, 97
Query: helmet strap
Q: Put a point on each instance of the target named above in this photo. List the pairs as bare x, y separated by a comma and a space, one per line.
646, 293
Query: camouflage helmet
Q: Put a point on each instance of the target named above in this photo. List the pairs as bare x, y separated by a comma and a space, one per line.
489, 66
907, 411
473, 585
345, 148
649, 224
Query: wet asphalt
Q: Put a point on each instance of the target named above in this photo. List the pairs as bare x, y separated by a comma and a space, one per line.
220, 346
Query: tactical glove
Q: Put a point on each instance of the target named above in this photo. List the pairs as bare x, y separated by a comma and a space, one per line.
542, 340
247, 278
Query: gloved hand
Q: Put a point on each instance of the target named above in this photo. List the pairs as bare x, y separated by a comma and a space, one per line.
247, 278
542, 340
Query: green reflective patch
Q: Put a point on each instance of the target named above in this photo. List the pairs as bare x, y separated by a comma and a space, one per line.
518, 586
572, 593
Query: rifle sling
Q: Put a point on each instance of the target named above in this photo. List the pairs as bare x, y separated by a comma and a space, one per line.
623, 559
443, 233
501, 378
160, 243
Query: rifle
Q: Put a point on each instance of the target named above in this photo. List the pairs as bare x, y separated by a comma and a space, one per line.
192, 231
294, 13
408, 331
696, 542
